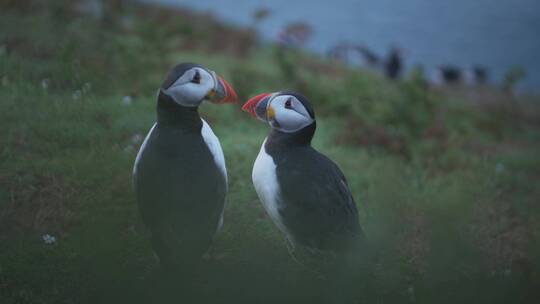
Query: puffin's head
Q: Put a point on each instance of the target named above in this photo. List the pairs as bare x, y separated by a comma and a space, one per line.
190, 84
286, 111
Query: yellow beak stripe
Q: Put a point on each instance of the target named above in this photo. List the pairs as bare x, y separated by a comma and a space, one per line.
270, 114
211, 94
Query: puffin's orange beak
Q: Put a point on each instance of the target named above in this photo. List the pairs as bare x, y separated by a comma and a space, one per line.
223, 93
256, 106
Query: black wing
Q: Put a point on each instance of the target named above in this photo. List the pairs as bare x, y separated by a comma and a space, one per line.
317, 206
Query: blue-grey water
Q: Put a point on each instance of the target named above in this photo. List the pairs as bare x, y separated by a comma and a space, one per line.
499, 34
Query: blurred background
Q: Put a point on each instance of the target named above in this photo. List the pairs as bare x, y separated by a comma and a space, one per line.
431, 109
495, 35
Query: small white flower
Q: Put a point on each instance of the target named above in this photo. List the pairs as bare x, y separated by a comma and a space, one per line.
76, 95
86, 87
136, 138
127, 100
499, 168
45, 83
48, 239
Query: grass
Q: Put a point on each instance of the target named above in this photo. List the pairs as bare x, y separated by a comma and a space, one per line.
447, 184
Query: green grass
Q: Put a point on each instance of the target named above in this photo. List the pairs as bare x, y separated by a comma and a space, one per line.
451, 215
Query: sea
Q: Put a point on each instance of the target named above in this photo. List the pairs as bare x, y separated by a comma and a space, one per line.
497, 34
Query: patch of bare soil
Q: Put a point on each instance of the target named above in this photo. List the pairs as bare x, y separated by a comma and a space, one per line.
37, 204
504, 235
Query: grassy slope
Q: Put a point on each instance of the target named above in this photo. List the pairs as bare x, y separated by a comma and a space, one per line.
453, 220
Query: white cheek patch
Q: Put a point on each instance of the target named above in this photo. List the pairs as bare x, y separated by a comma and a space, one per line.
187, 93
289, 120
299, 107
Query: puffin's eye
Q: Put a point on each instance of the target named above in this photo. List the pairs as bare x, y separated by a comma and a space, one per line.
288, 104
196, 78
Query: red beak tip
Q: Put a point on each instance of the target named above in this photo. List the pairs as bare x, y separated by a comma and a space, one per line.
247, 107
252, 103
231, 95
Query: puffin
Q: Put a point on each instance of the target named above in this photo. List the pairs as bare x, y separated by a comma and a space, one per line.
394, 64
304, 192
179, 175
450, 74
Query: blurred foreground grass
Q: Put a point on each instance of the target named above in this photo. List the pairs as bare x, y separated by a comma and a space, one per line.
446, 179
